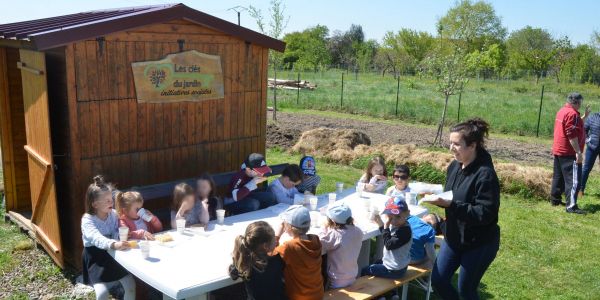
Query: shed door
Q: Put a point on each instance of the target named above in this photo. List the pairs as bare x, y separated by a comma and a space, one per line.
44, 217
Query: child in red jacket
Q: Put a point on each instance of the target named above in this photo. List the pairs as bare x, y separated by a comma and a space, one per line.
141, 223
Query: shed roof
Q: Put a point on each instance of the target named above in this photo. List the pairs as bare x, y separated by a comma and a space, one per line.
62, 30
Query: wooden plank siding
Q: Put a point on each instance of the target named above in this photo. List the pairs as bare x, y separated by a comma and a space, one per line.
142, 144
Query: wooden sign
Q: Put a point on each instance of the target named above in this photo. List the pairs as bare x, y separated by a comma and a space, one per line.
185, 76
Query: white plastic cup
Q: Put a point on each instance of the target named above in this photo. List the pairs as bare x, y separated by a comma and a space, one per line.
332, 198
180, 222
145, 248
411, 198
313, 201
220, 216
123, 233
142, 214
339, 187
315, 218
360, 187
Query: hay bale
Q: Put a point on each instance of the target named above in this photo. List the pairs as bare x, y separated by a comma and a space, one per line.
322, 141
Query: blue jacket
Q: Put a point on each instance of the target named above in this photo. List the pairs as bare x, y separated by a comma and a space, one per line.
592, 131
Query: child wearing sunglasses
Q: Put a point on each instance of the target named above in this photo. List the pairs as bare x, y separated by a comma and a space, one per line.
401, 178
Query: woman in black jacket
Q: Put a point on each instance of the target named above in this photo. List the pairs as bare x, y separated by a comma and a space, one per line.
472, 234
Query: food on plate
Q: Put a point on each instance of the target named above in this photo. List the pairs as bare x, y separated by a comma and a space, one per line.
163, 238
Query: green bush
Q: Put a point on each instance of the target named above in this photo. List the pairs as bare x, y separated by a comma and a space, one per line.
427, 173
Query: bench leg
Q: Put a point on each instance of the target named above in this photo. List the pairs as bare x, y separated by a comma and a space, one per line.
405, 291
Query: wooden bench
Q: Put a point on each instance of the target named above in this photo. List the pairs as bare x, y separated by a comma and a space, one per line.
369, 287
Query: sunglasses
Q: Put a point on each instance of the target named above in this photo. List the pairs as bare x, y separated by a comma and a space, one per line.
403, 177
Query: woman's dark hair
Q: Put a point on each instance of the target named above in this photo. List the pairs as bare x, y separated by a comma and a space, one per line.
249, 252
402, 169
94, 191
473, 131
293, 172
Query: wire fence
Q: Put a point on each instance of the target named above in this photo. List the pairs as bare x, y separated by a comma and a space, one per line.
519, 107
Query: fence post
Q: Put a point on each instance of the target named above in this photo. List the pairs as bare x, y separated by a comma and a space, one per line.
397, 95
275, 93
298, 96
355, 73
537, 131
458, 116
342, 96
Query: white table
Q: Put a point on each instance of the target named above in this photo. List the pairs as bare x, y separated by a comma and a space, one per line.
196, 264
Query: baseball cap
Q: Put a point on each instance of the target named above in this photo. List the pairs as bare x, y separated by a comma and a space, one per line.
395, 206
339, 213
297, 216
308, 165
256, 162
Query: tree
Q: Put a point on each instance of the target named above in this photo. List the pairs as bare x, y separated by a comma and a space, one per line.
532, 49
343, 46
562, 52
417, 44
473, 23
449, 68
365, 54
307, 49
584, 65
486, 62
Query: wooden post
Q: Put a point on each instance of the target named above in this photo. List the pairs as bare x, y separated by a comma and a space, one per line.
458, 116
537, 132
298, 96
275, 93
397, 95
342, 96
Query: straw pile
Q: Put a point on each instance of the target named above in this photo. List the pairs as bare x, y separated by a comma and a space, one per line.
344, 146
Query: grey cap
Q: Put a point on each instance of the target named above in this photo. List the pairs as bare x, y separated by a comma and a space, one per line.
339, 213
297, 216
574, 97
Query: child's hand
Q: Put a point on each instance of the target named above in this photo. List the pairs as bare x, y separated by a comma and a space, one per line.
388, 222
377, 219
120, 245
185, 207
148, 236
279, 229
381, 178
260, 180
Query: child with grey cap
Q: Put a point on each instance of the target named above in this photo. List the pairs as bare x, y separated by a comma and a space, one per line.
341, 241
301, 255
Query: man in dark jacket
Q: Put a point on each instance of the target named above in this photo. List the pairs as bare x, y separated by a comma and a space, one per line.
567, 150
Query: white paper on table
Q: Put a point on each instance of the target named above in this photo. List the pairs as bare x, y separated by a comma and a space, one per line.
280, 207
445, 195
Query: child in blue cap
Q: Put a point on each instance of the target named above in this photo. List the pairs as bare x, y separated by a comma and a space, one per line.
310, 179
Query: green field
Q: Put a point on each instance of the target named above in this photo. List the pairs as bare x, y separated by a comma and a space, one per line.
510, 106
545, 253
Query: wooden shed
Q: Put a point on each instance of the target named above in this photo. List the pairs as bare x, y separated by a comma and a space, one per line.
69, 110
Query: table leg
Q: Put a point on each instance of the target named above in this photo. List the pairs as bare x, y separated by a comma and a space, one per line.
363, 257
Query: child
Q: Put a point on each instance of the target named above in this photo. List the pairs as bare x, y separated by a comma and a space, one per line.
401, 178
99, 228
205, 191
284, 187
397, 240
341, 241
245, 193
375, 177
185, 206
436, 222
141, 223
310, 179
301, 255
422, 250
261, 272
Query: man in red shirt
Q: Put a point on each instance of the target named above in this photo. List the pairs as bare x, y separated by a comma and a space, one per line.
567, 149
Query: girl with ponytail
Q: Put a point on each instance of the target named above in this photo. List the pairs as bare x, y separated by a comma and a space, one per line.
261, 272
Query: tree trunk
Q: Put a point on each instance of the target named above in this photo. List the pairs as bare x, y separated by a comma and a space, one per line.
440, 131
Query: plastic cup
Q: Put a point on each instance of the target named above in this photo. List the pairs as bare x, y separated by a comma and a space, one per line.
360, 187
180, 222
313, 201
411, 198
314, 219
339, 187
332, 198
123, 233
145, 248
220, 216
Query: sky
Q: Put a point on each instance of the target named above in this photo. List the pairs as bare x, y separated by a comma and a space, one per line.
576, 19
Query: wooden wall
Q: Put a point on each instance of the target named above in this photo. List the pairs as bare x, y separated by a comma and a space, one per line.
12, 123
139, 144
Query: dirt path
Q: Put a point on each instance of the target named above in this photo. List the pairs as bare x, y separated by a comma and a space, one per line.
289, 126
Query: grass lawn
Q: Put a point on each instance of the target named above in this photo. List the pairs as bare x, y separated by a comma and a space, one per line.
545, 253
510, 106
